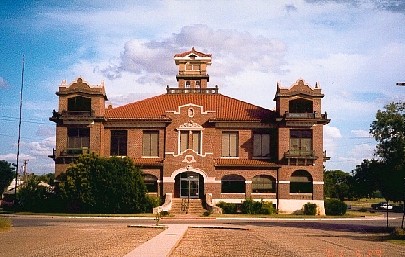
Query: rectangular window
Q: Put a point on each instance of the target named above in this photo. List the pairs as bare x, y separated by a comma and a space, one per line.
150, 143
261, 145
183, 141
78, 138
194, 144
119, 142
230, 144
196, 136
301, 142
192, 66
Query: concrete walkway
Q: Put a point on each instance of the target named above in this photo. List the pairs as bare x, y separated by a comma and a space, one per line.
162, 244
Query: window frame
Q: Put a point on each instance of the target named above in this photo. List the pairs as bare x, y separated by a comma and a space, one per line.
301, 187
233, 184
148, 145
261, 144
188, 135
230, 144
301, 141
116, 141
261, 187
78, 140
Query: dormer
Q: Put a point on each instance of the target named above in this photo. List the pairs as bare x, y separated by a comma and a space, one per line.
79, 100
300, 105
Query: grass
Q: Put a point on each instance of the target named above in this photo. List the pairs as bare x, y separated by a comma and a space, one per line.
364, 202
349, 214
5, 223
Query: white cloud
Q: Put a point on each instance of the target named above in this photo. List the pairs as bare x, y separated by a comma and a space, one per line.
361, 133
12, 157
233, 51
41, 148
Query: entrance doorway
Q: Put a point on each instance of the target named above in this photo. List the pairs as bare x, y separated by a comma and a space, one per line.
189, 185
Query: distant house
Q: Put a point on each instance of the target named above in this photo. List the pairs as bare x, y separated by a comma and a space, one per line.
194, 142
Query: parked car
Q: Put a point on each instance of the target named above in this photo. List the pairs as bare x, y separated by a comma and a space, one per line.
382, 206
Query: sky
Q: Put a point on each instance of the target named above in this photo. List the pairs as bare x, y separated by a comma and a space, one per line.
353, 49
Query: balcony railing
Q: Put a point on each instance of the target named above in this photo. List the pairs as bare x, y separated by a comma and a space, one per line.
299, 153
300, 115
305, 115
192, 90
78, 113
74, 151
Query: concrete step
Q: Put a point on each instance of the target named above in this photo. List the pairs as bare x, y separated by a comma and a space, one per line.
195, 206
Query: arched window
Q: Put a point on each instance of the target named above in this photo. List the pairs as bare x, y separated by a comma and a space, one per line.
301, 182
79, 104
188, 84
300, 106
233, 184
197, 84
263, 184
150, 182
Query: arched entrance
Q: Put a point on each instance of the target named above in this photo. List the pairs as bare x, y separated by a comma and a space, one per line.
189, 184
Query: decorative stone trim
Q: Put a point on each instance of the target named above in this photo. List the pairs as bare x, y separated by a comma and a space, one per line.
318, 182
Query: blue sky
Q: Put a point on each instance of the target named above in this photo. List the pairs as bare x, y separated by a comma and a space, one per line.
354, 49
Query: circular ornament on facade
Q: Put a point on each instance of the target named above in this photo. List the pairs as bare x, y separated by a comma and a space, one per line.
191, 112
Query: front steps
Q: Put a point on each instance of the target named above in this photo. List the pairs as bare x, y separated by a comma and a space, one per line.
179, 206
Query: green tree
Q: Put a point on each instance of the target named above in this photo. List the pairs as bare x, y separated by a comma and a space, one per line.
6, 175
338, 184
366, 178
389, 131
104, 185
36, 197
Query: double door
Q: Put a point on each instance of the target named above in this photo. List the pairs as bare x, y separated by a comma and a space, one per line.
189, 186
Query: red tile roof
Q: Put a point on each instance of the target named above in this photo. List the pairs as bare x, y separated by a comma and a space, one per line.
226, 108
193, 51
244, 162
148, 161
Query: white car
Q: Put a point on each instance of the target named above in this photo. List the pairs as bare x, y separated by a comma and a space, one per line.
385, 206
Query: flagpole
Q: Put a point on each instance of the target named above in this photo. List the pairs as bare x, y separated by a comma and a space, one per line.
19, 134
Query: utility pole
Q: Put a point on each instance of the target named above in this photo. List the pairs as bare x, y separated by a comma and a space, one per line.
25, 170
19, 134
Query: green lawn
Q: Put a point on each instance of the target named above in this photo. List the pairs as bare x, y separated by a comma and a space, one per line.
364, 202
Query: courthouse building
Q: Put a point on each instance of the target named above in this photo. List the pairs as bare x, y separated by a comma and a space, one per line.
194, 142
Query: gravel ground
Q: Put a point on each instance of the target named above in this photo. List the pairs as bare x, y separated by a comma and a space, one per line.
73, 240
283, 241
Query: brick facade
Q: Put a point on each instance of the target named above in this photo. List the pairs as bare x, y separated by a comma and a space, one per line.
205, 115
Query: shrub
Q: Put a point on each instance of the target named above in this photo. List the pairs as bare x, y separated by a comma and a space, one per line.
227, 208
267, 207
151, 202
255, 207
310, 208
335, 207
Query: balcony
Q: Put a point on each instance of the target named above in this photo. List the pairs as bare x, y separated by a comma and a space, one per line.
306, 119
306, 115
300, 154
300, 157
74, 151
79, 116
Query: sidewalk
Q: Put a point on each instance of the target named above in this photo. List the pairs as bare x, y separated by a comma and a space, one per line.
162, 244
